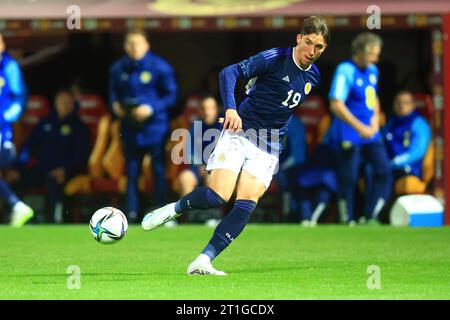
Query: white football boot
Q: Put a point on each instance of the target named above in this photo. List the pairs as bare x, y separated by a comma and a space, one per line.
202, 266
21, 213
158, 217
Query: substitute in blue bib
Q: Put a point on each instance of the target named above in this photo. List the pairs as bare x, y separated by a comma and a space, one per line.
13, 96
407, 135
355, 104
142, 88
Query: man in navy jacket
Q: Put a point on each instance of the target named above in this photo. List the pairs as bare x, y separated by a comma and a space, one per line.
142, 87
60, 146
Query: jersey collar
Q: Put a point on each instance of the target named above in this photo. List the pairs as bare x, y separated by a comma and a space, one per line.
298, 66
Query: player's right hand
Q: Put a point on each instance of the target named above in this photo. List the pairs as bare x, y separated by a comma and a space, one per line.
232, 120
118, 110
367, 131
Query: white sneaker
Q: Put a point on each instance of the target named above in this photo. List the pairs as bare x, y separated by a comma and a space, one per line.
171, 224
20, 215
305, 223
158, 217
203, 267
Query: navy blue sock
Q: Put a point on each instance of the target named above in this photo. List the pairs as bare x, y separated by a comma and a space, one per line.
7, 194
230, 227
201, 198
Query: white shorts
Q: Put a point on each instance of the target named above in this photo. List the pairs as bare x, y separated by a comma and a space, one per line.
236, 153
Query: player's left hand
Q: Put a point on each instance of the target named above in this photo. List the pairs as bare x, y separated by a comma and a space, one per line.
143, 112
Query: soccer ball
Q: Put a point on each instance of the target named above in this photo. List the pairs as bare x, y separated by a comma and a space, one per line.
108, 225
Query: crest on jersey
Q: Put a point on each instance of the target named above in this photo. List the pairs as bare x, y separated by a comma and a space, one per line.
373, 79
2, 82
66, 130
307, 87
359, 82
145, 77
346, 144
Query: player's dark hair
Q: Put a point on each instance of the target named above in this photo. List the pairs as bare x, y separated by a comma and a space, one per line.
316, 24
132, 32
364, 39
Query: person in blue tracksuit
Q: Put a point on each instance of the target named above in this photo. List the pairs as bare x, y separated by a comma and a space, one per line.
355, 104
60, 146
407, 135
13, 96
142, 87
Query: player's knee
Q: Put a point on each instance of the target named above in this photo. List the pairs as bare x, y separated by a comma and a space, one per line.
224, 193
224, 190
253, 194
254, 198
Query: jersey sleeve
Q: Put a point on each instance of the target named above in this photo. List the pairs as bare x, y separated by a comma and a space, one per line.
342, 82
256, 65
17, 99
249, 68
167, 88
420, 141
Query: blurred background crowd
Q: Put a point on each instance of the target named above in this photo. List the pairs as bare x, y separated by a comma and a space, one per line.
87, 118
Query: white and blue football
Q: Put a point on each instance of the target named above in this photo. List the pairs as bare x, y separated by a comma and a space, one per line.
108, 225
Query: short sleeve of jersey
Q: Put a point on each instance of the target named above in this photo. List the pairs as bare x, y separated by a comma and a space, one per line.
257, 64
342, 82
12, 72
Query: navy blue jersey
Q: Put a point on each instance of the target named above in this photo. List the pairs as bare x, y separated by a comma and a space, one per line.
277, 85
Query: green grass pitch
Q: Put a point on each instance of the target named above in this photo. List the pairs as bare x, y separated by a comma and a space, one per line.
265, 262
